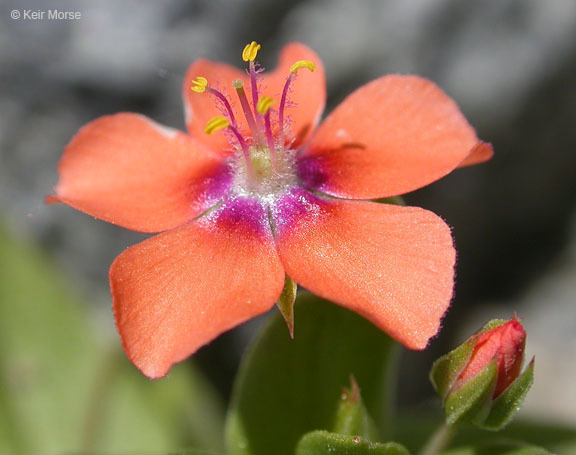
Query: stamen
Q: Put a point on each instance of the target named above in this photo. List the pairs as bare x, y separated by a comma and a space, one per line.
264, 104
249, 55
293, 70
219, 123
251, 51
239, 86
263, 108
199, 85
246, 152
254, 87
303, 64
270, 139
216, 124
225, 102
283, 103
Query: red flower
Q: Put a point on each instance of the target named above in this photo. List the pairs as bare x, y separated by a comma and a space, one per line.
504, 343
269, 195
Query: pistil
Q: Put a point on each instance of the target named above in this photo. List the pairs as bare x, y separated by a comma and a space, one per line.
239, 86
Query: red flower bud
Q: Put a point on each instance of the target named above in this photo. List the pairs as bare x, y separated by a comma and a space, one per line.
504, 343
480, 381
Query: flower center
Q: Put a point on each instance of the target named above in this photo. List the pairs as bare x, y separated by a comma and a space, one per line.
261, 161
264, 161
270, 176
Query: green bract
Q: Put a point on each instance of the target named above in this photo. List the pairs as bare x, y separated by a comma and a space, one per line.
352, 418
286, 303
506, 405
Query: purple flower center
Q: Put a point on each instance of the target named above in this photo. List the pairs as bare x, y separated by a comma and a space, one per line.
263, 165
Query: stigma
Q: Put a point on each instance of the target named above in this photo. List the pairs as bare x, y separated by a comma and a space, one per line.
263, 160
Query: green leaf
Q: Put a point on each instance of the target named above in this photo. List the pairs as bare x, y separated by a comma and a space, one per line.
324, 443
47, 354
447, 368
471, 402
505, 407
63, 390
287, 388
352, 418
177, 410
504, 448
286, 303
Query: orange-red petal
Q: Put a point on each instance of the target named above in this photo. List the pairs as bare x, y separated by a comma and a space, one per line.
132, 172
393, 265
391, 136
175, 292
308, 94
479, 154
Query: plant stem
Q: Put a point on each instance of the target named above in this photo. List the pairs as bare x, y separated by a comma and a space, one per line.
439, 440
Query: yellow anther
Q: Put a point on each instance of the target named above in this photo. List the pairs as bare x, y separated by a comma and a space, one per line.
199, 85
216, 124
302, 64
264, 104
250, 51
237, 84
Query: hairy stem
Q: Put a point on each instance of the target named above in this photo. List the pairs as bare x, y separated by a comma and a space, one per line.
439, 440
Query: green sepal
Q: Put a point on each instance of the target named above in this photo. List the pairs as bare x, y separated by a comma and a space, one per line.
447, 368
352, 418
508, 403
321, 442
492, 324
471, 403
499, 448
286, 301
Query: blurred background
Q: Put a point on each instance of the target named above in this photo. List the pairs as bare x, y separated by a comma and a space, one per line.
509, 64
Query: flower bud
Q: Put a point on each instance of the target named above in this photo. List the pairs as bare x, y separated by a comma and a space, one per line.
480, 381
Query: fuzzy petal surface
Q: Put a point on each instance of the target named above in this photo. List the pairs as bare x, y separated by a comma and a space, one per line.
391, 136
307, 95
130, 171
175, 292
393, 265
